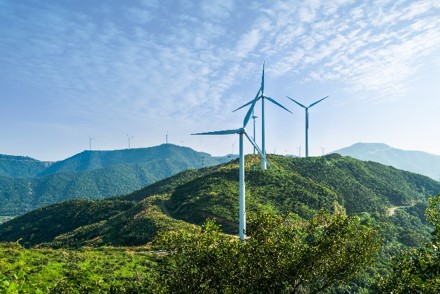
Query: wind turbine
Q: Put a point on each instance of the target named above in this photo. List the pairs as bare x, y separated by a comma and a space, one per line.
90, 143
129, 140
241, 132
307, 119
260, 95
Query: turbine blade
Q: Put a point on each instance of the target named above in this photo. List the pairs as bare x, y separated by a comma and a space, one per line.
249, 113
262, 80
256, 98
276, 103
257, 148
243, 106
225, 132
296, 102
314, 103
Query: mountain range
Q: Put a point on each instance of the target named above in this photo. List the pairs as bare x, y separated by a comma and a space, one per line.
390, 199
26, 183
414, 161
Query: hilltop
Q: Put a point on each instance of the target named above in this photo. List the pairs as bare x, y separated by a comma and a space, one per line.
95, 175
414, 161
21, 166
298, 185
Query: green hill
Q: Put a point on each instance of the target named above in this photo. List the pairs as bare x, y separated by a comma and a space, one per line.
414, 161
91, 160
98, 175
21, 166
298, 185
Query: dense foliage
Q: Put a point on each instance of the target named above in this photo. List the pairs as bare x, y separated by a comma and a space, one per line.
298, 185
21, 166
302, 186
90, 160
103, 270
97, 175
280, 256
417, 270
310, 250
92, 223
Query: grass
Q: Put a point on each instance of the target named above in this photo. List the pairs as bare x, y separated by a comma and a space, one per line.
102, 269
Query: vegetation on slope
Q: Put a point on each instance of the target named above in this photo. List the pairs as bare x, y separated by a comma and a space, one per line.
21, 166
90, 160
103, 270
417, 270
167, 208
282, 255
98, 175
301, 186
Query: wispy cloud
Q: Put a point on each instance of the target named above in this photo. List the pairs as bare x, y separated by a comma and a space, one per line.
148, 59
368, 45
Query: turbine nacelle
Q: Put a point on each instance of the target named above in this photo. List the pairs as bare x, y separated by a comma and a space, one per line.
311, 105
306, 108
260, 96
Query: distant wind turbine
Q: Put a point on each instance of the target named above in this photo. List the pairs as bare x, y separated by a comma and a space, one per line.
129, 140
260, 95
241, 132
90, 143
307, 119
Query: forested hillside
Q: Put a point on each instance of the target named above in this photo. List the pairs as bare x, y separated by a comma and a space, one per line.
375, 212
97, 175
90, 160
21, 166
298, 185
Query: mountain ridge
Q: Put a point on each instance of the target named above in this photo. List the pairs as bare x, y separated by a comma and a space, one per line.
97, 175
411, 160
295, 185
21, 166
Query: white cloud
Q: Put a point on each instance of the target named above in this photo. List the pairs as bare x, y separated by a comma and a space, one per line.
177, 60
248, 42
218, 9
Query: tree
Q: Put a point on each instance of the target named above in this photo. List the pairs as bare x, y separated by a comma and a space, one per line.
418, 270
282, 255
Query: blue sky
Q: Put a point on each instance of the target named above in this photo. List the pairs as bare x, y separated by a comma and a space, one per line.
76, 68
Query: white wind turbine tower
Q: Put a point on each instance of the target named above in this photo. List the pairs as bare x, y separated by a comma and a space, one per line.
253, 118
260, 95
129, 140
90, 143
306, 108
242, 193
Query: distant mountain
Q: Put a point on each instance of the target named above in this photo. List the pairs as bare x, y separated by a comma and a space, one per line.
414, 161
91, 160
389, 199
97, 175
21, 166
